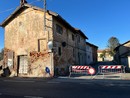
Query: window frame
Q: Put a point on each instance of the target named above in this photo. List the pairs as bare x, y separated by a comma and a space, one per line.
73, 37
59, 51
79, 39
73, 52
59, 29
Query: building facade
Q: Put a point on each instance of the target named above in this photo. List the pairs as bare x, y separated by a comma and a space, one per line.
94, 53
103, 55
91, 53
122, 55
35, 47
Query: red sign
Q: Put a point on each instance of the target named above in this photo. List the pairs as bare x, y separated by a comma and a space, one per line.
91, 71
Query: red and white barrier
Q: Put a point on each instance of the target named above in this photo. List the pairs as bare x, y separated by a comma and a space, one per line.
111, 69
76, 69
81, 67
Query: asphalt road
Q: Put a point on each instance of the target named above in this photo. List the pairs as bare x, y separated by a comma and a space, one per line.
63, 88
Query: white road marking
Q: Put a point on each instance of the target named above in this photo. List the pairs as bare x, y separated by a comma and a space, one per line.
110, 84
121, 85
16, 81
33, 97
53, 82
124, 84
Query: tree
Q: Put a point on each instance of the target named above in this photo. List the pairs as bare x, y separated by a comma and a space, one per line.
113, 42
2, 54
103, 54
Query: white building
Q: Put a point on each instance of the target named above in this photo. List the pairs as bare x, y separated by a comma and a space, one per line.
89, 56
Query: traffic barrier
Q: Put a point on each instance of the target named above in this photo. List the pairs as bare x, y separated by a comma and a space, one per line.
81, 70
111, 70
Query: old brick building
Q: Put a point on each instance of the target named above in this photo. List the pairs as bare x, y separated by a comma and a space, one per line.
26, 43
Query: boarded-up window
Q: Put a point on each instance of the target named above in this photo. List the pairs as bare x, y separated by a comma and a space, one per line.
41, 45
10, 58
23, 65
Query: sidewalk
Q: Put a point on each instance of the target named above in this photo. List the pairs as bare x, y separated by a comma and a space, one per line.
115, 77
25, 79
122, 76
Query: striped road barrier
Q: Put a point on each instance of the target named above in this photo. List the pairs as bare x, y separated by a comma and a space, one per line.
77, 69
111, 70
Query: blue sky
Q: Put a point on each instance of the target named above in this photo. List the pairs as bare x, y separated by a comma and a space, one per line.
98, 19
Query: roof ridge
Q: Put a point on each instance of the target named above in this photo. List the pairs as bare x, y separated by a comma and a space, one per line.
8, 19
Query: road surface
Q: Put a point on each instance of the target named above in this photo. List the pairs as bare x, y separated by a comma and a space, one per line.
63, 88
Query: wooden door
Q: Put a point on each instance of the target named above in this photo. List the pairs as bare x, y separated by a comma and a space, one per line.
23, 65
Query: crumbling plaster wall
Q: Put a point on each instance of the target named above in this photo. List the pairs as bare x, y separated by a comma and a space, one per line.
22, 34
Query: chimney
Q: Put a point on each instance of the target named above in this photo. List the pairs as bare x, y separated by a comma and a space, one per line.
22, 2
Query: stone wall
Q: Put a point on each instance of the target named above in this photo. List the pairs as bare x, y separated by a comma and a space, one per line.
25, 36
22, 36
70, 52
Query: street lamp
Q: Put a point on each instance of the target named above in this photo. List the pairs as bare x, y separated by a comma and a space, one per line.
50, 46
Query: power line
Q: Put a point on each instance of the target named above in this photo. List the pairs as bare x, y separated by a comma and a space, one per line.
6, 10
35, 1
14, 8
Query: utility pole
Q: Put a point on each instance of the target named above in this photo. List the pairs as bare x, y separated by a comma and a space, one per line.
44, 15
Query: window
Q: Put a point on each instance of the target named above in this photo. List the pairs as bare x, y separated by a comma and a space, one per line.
88, 56
59, 29
73, 52
88, 48
79, 39
59, 51
73, 37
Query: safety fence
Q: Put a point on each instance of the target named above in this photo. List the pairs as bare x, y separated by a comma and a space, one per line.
87, 70
111, 70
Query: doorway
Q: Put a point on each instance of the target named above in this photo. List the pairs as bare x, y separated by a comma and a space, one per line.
22, 64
